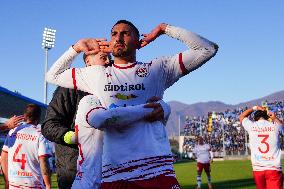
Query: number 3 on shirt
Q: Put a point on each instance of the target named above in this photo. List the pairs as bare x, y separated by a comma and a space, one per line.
266, 149
22, 160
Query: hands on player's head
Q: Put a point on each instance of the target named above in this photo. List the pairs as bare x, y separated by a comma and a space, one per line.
271, 115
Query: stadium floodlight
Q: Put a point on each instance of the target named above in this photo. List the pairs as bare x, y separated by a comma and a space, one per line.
48, 41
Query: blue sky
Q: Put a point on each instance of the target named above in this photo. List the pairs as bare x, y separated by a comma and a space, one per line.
250, 35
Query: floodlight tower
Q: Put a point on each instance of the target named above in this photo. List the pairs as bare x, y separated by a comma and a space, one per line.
48, 42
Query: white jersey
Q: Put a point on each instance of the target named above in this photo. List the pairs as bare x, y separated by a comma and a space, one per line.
90, 144
264, 144
202, 153
90, 140
25, 145
142, 150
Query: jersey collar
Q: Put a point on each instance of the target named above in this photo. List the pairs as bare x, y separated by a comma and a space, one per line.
125, 66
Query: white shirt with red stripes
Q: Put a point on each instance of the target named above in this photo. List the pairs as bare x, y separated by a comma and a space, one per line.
202, 153
142, 150
264, 144
25, 145
90, 140
90, 144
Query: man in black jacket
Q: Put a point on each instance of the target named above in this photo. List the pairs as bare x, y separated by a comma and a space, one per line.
59, 120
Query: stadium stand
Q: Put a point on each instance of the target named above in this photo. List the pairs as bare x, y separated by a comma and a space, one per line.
223, 131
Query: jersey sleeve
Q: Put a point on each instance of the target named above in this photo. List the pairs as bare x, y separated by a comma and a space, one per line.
92, 114
200, 51
247, 123
43, 149
62, 75
5, 147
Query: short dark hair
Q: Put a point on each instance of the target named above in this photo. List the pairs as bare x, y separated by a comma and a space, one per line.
84, 57
260, 114
32, 112
129, 24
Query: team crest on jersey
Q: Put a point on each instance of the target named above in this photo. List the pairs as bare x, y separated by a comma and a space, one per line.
143, 71
108, 75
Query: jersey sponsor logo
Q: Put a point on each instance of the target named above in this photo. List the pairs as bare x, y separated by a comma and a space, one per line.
115, 105
126, 87
124, 97
142, 72
263, 158
14, 173
24, 136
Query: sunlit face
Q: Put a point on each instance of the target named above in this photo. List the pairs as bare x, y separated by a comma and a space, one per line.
100, 58
123, 40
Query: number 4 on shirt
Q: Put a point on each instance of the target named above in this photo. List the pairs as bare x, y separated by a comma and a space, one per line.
16, 155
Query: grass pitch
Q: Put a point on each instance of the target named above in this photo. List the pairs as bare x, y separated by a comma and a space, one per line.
231, 174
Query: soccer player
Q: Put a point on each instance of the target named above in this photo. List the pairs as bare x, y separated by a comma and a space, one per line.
59, 123
204, 156
25, 154
91, 114
265, 147
138, 156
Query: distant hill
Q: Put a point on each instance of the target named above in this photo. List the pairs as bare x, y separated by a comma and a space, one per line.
202, 108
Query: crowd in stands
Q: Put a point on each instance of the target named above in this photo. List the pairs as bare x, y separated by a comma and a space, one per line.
232, 140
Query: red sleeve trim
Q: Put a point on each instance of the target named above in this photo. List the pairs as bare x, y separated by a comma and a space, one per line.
4, 151
74, 79
96, 108
182, 67
76, 129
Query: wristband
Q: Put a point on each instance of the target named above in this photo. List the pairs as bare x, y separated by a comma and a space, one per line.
70, 138
254, 108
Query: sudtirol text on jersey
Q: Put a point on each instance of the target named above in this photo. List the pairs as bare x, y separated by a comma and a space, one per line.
125, 87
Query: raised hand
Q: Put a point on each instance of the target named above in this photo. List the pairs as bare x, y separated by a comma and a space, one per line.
90, 45
148, 38
14, 121
105, 46
271, 115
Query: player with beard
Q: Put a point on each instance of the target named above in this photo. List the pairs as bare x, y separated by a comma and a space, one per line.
137, 156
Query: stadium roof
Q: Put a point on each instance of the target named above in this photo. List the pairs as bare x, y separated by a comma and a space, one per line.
18, 95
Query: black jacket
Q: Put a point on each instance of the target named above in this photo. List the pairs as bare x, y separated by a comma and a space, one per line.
59, 119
